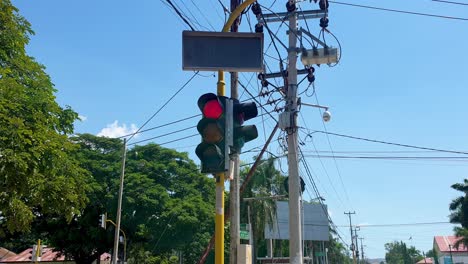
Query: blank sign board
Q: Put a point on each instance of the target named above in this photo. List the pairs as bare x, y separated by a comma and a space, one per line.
222, 51
315, 222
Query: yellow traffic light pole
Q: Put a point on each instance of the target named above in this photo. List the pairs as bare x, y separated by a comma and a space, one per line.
219, 219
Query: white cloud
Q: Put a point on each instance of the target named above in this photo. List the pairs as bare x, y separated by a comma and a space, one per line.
114, 130
83, 118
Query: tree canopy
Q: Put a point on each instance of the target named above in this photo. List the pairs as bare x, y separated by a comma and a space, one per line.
459, 215
399, 253
167, 207
37, 173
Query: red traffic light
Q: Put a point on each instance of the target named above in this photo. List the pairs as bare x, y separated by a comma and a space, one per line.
210, 106
213, 109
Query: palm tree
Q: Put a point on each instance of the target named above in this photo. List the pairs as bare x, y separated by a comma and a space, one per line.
459, 215
266, 181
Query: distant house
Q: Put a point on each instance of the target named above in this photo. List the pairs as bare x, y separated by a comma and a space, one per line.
425, 261
48, 257
446, 251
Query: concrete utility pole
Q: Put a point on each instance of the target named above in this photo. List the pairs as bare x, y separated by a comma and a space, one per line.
362, 250
295, 232
357, 244
351, 230
234, 184
119, 205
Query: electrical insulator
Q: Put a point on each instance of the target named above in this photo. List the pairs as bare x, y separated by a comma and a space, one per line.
324, 22
256, 9
310, 74
290, 7
258, 28
323, 4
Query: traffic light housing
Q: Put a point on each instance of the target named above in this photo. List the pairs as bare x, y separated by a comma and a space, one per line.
215, 129
103, 220
243, 134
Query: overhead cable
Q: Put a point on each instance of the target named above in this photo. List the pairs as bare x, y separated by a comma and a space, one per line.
391, 143
400, 11
450, 2
164, 105
180, 15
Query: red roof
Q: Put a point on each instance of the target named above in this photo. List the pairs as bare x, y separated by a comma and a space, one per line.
428, 261
445, 242
5, 253
48, 255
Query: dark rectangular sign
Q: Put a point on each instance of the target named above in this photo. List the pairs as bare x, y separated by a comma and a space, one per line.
222, 51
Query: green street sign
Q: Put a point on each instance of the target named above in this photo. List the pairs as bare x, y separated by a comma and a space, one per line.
319, 254
244, 234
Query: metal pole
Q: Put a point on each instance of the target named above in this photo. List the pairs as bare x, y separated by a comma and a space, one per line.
295, 243
362, 250
251, 242
326, 255
234, 184
234, 209
219, 219
257, 162
357, 244
451, 257
351, 230
119, 204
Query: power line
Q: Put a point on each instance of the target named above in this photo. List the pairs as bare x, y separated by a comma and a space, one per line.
450, 2
323, 166
333, 154
314, 186
173, 132
164, 135
180, 15
254, 98
164, 125
464, 159
400, 11
392, 225
406, 224
164, 105
390, 143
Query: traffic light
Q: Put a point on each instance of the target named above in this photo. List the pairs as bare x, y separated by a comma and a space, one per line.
215, 129
243, 134
102, 220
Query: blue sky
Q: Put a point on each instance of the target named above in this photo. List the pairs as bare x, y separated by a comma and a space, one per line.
402, 78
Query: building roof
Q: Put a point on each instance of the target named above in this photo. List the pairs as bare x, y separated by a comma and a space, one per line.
446, 244
424, 261
5, 253
48, 255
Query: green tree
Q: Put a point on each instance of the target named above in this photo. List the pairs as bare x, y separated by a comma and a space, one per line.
459, 215
337, 252
167, 207
37, 174
399, 253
